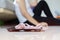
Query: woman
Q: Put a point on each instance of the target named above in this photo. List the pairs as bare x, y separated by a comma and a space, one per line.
25, 13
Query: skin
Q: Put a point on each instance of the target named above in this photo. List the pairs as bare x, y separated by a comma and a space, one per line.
22, 7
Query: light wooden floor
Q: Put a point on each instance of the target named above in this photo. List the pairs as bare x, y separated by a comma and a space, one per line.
53, 33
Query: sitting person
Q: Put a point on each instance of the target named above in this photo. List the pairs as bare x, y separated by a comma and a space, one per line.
31, 13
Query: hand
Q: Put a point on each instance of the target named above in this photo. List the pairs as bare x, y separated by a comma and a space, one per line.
44, 24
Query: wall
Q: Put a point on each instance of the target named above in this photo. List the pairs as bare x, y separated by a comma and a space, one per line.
11, 0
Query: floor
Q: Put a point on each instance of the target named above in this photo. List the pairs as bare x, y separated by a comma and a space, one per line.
53, 33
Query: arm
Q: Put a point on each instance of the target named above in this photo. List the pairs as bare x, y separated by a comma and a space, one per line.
25, 13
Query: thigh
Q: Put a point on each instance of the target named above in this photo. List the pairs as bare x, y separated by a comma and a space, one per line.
46, 10
38, 9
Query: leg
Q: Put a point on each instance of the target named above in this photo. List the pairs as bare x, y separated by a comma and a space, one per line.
43, 6
38, 9
47, 10
49, 15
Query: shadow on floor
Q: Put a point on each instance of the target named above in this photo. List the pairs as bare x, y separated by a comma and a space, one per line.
15, 22
12, 22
